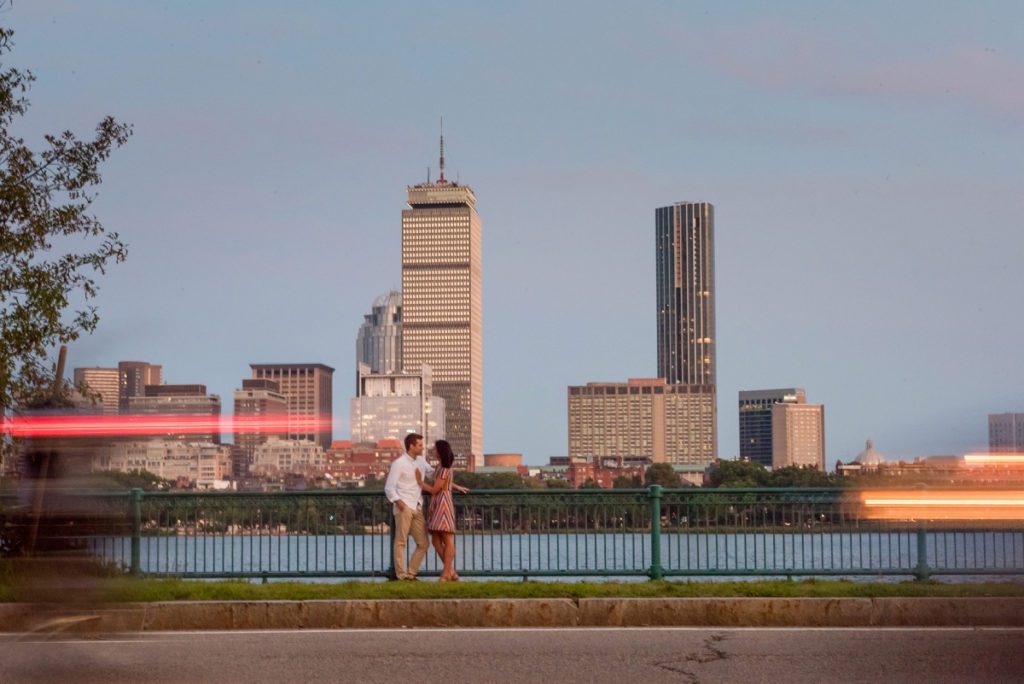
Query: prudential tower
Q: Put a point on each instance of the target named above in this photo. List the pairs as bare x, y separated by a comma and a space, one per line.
442, 306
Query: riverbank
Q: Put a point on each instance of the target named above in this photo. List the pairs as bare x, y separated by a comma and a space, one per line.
128, 590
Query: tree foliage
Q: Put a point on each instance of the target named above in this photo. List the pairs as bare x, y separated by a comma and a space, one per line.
120, 481
800, 476
51, 246
626, 482
738, 474
661, 474
488, 480
745, 474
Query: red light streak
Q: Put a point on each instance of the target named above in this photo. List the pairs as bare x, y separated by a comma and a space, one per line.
138, 425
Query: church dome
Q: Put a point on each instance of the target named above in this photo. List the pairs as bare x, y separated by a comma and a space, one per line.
869, 457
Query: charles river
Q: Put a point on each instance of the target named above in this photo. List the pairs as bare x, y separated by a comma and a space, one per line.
958, 555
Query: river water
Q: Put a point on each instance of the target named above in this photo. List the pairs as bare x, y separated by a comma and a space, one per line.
579, 555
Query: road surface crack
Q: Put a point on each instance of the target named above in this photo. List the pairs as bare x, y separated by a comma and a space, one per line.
708, 654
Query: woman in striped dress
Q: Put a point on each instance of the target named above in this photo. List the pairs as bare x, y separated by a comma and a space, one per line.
441, 516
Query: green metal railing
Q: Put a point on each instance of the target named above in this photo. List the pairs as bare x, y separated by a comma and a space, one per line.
651, 532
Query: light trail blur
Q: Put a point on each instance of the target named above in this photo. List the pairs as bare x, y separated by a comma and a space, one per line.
943, 505
994, 459
137, 425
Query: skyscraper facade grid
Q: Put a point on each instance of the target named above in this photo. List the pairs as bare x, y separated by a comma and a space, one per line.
104, 382
442, 305
133, 377
685, 298
685, 261
1006, 432
307, 389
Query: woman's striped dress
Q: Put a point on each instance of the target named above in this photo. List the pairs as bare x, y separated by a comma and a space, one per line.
442, 510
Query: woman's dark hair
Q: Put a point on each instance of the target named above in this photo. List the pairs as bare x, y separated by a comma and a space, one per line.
444, 453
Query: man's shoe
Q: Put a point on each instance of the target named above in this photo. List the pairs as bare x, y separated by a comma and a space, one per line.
411, 578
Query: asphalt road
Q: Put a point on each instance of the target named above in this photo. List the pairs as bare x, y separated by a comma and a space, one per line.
551, 656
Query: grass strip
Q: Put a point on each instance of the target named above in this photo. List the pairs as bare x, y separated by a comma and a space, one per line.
144, 590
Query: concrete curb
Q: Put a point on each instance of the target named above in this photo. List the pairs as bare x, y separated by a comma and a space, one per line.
595, 612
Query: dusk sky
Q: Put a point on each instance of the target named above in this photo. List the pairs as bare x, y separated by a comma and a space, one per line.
865, 164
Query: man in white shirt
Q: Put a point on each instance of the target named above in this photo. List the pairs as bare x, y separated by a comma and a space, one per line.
404, 492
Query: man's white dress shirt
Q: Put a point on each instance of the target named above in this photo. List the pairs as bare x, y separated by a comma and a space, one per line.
401, 483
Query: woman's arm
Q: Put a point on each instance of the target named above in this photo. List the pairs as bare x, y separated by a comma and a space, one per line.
429, 488
460, 488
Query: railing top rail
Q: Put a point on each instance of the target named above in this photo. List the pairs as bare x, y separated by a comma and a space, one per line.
12, 496
582, 493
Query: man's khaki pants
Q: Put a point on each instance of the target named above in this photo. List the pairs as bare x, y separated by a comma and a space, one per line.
409, 521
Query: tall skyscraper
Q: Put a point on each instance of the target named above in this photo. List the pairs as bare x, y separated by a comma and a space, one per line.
379, 343
641, 417
798, 435
685, 284
756, 420
442, 305
307, 389
102, 381
685, 252
134, 376
1006, 432
256, 398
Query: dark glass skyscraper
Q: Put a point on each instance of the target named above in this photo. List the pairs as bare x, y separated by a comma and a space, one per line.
756, 420
685, 250
685, 255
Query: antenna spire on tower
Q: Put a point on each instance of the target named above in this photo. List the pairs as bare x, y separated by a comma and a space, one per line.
441, 179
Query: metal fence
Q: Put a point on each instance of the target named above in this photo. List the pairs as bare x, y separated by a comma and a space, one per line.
529, 533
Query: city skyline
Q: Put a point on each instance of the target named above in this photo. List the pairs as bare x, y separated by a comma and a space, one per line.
791, 141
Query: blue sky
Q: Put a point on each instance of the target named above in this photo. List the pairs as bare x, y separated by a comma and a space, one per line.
863, 160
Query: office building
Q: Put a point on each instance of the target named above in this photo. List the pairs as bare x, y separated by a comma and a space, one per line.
256, 398
755, 408
798, 435
379, 342
390, 406
685, 265
685, 298
442, 306
205, 464
182, 400
102, 385
307, 390
134, 376
1006, 432
668, 423
279, 457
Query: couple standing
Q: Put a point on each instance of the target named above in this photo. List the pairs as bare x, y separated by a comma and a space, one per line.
407, 480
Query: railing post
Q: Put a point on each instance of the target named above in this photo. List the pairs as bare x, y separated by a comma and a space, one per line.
136, 499
392, 575
921, 571
654, 494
